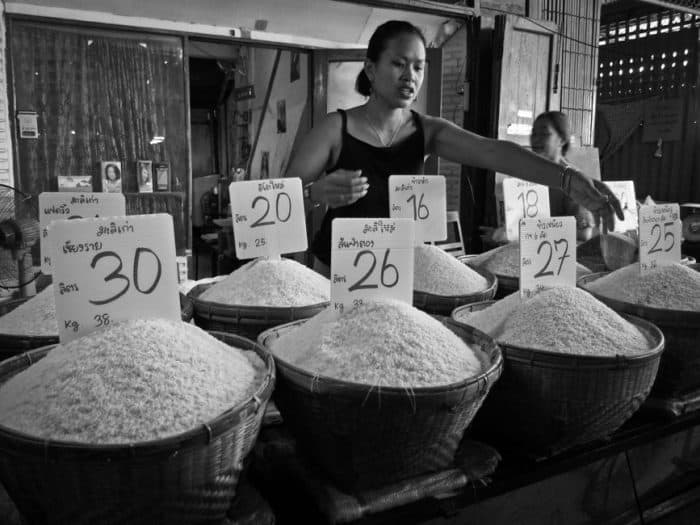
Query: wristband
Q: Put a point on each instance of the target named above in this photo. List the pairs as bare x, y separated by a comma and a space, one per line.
307, 194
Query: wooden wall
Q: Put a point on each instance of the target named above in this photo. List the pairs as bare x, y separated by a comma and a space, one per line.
648, 60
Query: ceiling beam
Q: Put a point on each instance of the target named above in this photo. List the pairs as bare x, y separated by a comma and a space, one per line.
674, 6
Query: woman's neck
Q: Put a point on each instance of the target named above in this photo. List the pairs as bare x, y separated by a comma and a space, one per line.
383, 116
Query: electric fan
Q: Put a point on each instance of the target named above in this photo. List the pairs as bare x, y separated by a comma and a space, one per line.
19, 232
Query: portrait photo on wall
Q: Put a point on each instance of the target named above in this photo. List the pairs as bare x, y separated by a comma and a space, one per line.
294, 73
111, 171
265, 165
144, 175
162, 175
281, 116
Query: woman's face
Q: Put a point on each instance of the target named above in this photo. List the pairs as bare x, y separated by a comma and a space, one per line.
398, 74
545, 140
145, 175
111, 173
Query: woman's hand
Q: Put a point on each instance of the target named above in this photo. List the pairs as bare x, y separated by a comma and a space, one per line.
593, 195
340, 188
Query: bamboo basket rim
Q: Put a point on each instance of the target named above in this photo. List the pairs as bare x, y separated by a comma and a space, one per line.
239, 311
493, 365
202, 434
668, 316
535, 356
491, 280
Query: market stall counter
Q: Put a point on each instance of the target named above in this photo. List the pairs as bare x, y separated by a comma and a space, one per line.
648, 466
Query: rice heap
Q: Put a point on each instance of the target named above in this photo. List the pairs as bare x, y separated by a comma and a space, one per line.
435, 271
383, 343
561, 319
34, 317
270, 282
135, 381
505, 261
673, 287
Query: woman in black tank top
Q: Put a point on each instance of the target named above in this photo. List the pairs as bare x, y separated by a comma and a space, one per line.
345, 160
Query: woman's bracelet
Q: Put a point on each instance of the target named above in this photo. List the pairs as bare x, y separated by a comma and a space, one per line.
307, 194
565, 180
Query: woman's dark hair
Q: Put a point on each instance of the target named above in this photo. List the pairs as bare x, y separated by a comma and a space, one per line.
560, 123
116, 171
378, 43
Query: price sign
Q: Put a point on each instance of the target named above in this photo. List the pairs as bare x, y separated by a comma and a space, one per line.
61, 206
422, 199
659, 236
547, 254
268, 217
112, 269
371, 258
624, 191
523, 200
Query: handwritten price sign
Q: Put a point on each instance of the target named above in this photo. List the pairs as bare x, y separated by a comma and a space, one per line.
268, 217
422, 199
62, 206
523, 200
624, 191
112, 269
659, 236
547, 254
371, 258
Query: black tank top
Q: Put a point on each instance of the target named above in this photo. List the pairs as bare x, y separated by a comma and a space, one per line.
404, 158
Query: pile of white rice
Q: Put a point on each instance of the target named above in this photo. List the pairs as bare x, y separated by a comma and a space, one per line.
505, 261
562, 319
134, 381
437, 272
673, 287
34, 317
382, 343
270, 282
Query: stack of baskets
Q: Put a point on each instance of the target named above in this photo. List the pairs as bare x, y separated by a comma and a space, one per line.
679, 371
187, 478
364, 437
247, 321
444, 304
550, 402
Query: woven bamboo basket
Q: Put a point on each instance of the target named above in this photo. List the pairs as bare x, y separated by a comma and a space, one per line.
679, 372
12, 344
247, 321
188, 478
363, 437
548, 402
444, 304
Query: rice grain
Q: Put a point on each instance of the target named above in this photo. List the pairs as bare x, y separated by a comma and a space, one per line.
134, 381
36, 316
383, 343
439, 273
561, 319
270, 282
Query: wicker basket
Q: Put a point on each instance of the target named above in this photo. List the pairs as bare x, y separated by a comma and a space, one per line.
11, 344
679, 372
184, 479
365, 437
548, 402
247, 321
444, 304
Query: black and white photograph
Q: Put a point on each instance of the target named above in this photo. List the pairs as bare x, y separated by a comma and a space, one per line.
144, 173
111, 176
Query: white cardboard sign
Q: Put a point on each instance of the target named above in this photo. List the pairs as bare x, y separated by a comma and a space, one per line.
624, 191
113, 269
659, 236
268, 217
420, 198
62, 206
523, 199
371, 258
547, 254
